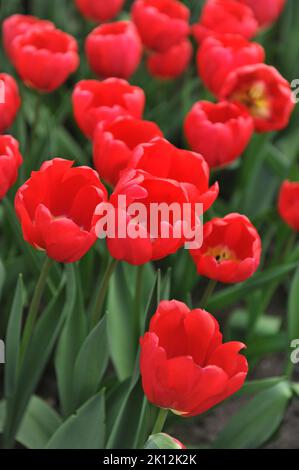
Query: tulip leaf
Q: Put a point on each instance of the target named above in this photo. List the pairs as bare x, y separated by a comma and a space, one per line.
39, 423
91, 363
39, 350
257, 421
231, 295
293, 308
2, 277
71, 339
85, 429
120, 323
13, 337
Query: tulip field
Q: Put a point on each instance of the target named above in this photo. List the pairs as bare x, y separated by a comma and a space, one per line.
149, 219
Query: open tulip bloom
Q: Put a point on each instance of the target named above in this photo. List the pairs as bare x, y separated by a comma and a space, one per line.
148, 152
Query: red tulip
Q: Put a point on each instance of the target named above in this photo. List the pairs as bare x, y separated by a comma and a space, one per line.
10, 161
10, 101
140, 187
220, 132
95, 102
114, 145
100, 10
288, 204
265, 11
45, 58
184, 365
17, 25
231, 250
218, 56
265, 93
161, 23
56, 208
178, 178
189, 169
114, 49
225, 16
172, 63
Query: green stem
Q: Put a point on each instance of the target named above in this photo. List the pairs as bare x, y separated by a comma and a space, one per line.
207, 293
99, 303
34, 306
160, 422
138, 297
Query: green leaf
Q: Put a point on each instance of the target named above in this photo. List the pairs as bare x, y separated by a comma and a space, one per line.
257, 421
85, 429
13, 337
252, 387
120, 323
39, 350
293, 308
231, 295
70, 342
39, 424
91, 364
2, 277
161, 441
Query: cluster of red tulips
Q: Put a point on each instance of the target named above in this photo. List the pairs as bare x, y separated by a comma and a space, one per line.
185, 366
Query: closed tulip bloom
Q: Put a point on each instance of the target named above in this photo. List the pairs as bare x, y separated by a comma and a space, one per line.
265, 11
45, 58
264, 92
138, 245
163, 441
172, 63
220, 132
10, 101
218, 56
185, 366
114, 144
10, 162
17, 25
162, 159
288, 204
231, 250
104, 101
56, 208
225, 16
161, 23
100, 10
114, 49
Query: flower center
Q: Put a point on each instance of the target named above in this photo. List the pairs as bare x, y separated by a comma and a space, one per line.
255, 98
221, 253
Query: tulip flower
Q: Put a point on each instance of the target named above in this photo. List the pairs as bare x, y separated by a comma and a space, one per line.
218, 56
231, 249
220, 132
56, 208
265, 93
95, 102
161, 23
189, 169
17, 25
114, 49
288, 204
265, 11
10, 101
100, 10
185, 366
10, 162
172, 63
114, 144
44, 58
225, 16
